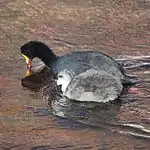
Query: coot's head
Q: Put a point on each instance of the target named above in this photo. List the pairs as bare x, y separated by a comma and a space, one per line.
38, 49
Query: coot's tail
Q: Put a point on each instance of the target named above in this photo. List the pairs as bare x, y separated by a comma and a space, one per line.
131, 80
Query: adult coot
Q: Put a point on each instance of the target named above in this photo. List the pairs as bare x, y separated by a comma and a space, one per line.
82, 75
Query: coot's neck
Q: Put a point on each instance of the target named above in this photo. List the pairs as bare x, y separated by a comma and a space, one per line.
46, 55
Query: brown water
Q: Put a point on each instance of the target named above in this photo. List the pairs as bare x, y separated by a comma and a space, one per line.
119, 28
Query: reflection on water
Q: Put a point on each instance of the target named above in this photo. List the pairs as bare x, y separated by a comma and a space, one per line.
106, 116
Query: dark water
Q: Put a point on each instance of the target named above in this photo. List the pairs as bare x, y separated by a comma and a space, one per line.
134, 104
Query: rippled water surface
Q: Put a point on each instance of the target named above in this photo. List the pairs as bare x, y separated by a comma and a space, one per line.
106, 116
118, 28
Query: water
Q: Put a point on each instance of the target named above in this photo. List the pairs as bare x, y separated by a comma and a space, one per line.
108, 116
129, 116
125, 120
118, 28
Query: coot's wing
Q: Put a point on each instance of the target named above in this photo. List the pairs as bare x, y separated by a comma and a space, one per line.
80, 61
94, 85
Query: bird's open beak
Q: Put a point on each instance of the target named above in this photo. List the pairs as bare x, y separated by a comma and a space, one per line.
29, 65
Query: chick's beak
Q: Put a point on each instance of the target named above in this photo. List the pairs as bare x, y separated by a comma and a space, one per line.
29, 65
